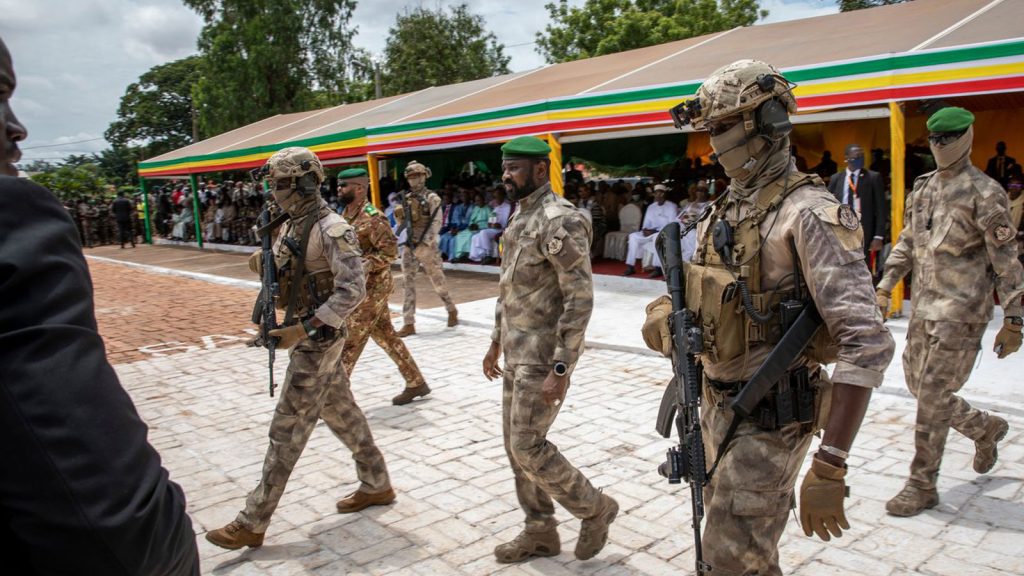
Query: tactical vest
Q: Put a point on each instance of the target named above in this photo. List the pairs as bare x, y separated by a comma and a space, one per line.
304, 284
419, 205
715, 291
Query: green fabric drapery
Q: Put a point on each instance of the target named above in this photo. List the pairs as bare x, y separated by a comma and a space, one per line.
628, 155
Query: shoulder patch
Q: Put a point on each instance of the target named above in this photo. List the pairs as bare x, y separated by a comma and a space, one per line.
1003, 233
847, 217
371, 210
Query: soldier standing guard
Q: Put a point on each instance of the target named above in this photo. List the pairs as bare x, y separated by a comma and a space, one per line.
545, 297
959, 242
421, 245
87, 219
776, 235
319, 291
373, 318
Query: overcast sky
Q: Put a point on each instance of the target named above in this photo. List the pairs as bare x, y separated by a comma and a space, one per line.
74, 58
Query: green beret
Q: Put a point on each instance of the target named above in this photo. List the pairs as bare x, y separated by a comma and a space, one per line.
529, 146
952, 119
352, 173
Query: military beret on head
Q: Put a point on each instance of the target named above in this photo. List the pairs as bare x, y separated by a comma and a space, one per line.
529, 146
352, 173
951, 119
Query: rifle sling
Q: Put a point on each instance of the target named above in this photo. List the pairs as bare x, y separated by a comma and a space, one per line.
272, 225
299, 270
425, 229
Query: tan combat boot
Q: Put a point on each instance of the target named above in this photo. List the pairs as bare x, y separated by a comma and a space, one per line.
407, 330
234, 536
528, 545
594, 531
453, 318
911, 501
985, 453
409, 393
357, 501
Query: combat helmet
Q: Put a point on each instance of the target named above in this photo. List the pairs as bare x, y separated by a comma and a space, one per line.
415, 167
740, 88
294, 162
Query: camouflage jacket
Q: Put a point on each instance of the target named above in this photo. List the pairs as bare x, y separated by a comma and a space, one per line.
957, 238
376, 240
546, 293
332, 247
829, 245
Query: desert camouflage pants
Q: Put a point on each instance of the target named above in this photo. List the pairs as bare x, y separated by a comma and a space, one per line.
372, 318
937, 361
315, 386
747, 503
428, 256
541, 471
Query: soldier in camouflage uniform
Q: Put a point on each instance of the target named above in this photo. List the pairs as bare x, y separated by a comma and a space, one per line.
783, 222
421, 245
87, 220
373, 317
319, 293
544, 304
959, 242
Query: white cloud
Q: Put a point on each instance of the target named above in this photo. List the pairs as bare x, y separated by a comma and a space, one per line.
160, 33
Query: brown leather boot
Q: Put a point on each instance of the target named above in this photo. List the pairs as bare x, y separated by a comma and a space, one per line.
985, 452
453, 318
528, 545
407, 330
357, 501
594, 531
911, 501
409, 393
234, 536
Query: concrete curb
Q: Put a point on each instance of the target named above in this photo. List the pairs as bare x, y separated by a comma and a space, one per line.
213, 278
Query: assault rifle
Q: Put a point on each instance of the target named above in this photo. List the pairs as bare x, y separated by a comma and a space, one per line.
406, 225
683, 396
263, 313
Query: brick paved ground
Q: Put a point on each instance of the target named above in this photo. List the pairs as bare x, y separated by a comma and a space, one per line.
208, 414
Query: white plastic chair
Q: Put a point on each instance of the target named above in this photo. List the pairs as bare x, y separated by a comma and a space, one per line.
615, 243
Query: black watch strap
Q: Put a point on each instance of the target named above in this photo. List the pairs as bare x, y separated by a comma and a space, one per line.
310, 331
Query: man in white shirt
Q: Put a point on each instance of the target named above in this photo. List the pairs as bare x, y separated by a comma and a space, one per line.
484, 247
657, 217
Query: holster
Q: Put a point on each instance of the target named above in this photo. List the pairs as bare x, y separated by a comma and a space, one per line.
790, 400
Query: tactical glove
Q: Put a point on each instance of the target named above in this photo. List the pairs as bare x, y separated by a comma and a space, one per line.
288, 337
1008, 340
655, 330
256, 263
821, 500
882, 299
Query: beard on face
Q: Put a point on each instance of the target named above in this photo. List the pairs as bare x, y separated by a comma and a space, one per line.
348, 195
515, 192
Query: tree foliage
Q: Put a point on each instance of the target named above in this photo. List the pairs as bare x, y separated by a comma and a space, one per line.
851, 5
156, 111
609, 26
267, 57
71, 181
437, 47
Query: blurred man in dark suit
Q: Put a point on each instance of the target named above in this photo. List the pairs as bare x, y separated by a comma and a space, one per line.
864, 191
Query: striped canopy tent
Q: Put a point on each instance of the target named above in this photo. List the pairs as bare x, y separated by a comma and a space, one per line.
859, 74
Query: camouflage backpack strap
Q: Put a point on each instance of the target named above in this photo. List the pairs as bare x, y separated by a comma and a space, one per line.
299, 269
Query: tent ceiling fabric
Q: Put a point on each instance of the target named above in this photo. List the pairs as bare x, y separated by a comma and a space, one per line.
915, 50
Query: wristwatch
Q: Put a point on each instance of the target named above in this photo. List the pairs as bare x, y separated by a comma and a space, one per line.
560, 368
1015, 320
310, 331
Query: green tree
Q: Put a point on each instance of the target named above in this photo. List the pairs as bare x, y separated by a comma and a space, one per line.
609, 26
156, 111
74, 181
437, 47
267, 57
851, 5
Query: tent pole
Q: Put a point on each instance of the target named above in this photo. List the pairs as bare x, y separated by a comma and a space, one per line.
897, 156
374, 170
145, 207
196, 214
556, 165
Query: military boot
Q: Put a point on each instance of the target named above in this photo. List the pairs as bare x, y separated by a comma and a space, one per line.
234, 536
357, 501
594, 530
527, 545
410, 393
453, 318
407, 330
985, 453
912, 500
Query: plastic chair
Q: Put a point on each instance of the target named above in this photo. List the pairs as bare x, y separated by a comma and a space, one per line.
615, 243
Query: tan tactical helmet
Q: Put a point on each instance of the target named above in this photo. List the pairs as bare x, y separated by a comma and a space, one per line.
415, 167
738, 88
294, 162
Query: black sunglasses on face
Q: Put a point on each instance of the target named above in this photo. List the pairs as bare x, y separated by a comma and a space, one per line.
943, 138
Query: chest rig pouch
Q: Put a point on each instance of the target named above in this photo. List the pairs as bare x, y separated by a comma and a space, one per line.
723, 282
301, 291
